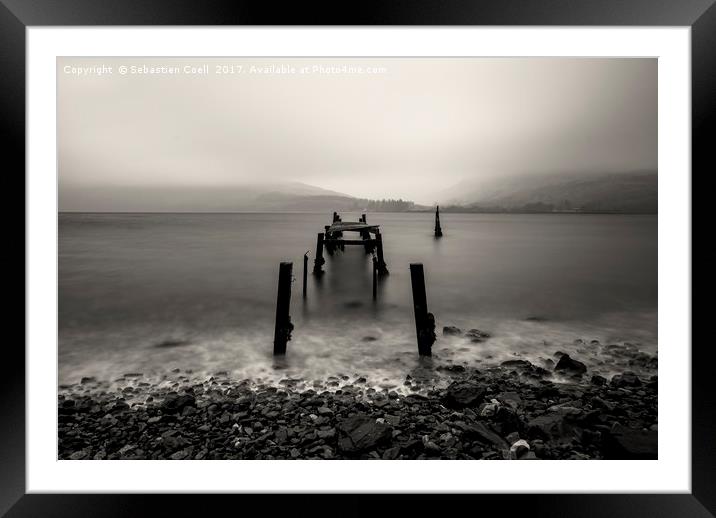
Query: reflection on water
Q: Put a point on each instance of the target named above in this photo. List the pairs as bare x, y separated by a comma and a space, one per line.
151, 292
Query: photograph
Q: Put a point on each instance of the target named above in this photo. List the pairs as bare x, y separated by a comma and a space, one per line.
357, 258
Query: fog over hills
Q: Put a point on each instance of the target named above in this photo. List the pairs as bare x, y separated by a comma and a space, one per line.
257, 197
421, 126
610, 192
635, 192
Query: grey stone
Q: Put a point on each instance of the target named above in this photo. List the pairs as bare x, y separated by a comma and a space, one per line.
462, 394
362, 433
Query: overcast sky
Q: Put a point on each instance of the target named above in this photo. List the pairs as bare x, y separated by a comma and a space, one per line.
413, 128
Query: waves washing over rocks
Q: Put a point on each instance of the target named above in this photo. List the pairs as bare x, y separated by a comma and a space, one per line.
443, 408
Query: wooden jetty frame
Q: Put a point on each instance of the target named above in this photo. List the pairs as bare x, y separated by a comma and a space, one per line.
332, 239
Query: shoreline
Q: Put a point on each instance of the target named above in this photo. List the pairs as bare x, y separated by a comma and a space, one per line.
512, 411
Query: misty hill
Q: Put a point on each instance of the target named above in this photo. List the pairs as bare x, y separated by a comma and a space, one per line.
633, 192
288, 197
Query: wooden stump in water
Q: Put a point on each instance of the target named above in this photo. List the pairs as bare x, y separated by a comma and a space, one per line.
382, 267
375, 278
438, 229
319, 261
424, 321
305, 274
282, 331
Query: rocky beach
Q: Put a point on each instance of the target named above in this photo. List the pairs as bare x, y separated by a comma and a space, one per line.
548, 408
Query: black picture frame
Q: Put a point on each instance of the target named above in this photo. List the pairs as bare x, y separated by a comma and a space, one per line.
17, 15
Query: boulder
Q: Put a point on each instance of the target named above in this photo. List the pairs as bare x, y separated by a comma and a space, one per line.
391, 453
626, 379
475, 335
507, 419
451, 331
511, 399
174, 403
461, 394
598, 380
481, 433
362, 433
517, 364
567, 365
548, 426
519, 449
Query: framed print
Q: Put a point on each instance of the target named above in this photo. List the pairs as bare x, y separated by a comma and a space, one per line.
274, 253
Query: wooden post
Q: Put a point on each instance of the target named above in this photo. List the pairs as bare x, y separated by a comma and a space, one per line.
375, 278
305, 273
382, 267
424, 321
319, 261
362, 218
438, 230
282, 332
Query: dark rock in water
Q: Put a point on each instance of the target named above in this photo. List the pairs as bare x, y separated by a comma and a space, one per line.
626, 379
540, 372
517, 364
627, 443
362, 433
644, 360
451, 331
475, 335
570, 366
535, 319
452, 368
462, 394
133, 375
369, 339
598, 380
174, 403
87, 379
171, 343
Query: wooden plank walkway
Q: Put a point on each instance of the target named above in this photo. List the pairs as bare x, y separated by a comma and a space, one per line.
351, 226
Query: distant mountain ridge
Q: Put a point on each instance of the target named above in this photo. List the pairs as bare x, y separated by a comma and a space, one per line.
633, 192
275, 197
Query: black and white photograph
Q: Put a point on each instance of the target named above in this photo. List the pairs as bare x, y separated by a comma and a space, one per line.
393, 258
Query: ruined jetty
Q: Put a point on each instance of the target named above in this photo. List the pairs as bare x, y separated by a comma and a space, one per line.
332, 239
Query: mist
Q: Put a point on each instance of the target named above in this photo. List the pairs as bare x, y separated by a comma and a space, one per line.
415, 127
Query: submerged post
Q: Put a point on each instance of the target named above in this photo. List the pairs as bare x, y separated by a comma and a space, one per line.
319, 261
438, 230
305, 273
424, 321
282, 332
382, 267
375, 278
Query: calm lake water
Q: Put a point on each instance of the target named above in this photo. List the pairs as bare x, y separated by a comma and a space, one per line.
154, 292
